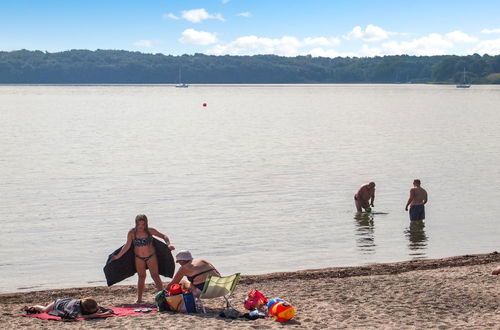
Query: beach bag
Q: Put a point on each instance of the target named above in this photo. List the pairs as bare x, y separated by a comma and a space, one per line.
182, 303
160, 301
255, 300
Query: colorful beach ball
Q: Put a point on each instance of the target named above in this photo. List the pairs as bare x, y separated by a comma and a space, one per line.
271, 303
282, 311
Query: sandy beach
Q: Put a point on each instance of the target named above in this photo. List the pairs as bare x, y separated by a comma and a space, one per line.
456, 292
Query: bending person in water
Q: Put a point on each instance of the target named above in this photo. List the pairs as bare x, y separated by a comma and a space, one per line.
196, 271
145, 257
364, 197
416, 201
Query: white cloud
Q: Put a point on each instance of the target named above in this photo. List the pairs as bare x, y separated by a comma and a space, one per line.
356, 33
371, 33
191, 36
490, 31
367, 51
433, 44
170, 16
490, 47
460, 37
198, 15
321, 41
284, 46
144, 43
250, 45
245, 14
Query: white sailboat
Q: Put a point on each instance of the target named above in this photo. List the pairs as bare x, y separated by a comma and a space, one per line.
181, 84
464, 83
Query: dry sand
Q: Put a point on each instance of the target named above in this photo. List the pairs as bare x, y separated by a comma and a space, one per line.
457, 292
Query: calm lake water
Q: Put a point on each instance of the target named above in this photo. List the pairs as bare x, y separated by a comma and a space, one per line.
260, 180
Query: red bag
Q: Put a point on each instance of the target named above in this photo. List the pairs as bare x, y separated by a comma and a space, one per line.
175, 289
255, 300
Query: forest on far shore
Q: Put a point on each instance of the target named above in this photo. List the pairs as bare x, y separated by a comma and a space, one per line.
125, 67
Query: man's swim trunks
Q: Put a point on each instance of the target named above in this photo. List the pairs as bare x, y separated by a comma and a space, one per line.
417, 212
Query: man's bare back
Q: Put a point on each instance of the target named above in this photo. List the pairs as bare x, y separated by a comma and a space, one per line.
416, 201
418, 196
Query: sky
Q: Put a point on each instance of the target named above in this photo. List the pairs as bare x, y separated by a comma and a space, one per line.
327, 28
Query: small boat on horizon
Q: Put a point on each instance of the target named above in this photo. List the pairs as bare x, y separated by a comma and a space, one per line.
181, 84
464, 83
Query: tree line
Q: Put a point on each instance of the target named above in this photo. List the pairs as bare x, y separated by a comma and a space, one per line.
125, 67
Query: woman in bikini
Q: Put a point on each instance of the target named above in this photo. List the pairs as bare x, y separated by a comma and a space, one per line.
142, 238
196, 271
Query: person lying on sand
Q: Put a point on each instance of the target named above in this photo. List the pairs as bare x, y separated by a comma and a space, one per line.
71, 308
196, 271
496, 271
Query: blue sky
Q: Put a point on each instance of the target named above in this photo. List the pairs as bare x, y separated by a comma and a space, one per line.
247, 27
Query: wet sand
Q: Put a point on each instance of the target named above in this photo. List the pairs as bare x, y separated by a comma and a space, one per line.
456, 292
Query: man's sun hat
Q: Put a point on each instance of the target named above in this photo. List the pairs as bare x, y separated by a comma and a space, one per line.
183, 255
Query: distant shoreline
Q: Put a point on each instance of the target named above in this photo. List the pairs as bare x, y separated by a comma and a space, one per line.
119, 66
241, 84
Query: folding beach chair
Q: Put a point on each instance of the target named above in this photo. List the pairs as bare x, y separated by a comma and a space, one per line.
216, 286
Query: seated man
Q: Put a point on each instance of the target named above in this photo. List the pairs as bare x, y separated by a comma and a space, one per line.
71, 308
196, 271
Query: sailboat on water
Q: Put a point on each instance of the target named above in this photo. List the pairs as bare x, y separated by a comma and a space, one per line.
464, 83
180, 84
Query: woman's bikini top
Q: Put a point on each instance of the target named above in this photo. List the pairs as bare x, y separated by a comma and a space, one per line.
143, 241
191, 278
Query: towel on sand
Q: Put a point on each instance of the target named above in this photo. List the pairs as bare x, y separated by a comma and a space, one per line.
118, 311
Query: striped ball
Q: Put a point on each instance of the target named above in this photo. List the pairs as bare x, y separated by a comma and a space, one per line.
271, 303
282, 311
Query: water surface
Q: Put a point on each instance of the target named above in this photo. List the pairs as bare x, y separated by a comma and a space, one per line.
259, 180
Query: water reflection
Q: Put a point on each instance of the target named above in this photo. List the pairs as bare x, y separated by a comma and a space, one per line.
365, 232
418, 239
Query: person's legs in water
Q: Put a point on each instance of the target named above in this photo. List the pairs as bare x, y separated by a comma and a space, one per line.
357, 202
417, 212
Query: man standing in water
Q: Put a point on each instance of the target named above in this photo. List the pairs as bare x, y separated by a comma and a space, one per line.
417, 200
364, 197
